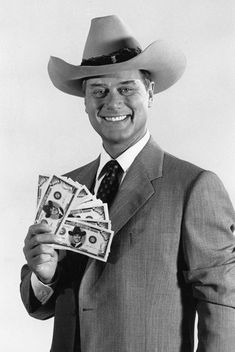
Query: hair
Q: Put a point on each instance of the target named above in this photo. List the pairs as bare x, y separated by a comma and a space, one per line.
145, 75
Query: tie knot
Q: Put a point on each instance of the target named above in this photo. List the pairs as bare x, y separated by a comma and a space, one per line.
111, 166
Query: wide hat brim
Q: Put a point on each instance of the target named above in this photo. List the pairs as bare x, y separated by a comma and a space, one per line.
164, 61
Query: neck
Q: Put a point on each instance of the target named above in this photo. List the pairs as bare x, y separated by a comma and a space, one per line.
116, 149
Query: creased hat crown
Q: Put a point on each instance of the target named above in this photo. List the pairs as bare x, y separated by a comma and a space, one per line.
107, 34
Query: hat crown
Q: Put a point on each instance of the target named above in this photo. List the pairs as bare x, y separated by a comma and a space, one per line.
106, 35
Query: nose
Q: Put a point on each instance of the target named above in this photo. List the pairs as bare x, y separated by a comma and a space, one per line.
113, 101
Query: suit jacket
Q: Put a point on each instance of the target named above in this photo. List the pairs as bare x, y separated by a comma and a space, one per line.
173, 254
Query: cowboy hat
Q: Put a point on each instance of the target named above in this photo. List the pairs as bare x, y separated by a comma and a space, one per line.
111, 48
77, 231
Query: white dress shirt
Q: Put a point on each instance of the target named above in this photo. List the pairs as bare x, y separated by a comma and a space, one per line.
43, 292
125, 159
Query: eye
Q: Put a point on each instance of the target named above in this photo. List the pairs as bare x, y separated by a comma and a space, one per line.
99, 93
126, 91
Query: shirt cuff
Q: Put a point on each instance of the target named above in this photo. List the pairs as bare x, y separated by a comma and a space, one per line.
42, 291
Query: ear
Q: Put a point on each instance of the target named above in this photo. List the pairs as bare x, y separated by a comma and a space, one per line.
85, 104
84, 91
150, 92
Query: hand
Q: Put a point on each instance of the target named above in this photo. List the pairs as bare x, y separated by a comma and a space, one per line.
41, 257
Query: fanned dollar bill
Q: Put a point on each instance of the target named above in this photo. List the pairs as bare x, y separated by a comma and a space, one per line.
90, 211
84, 238
55, 202
78, 219
83, 196
105, 224
43, 181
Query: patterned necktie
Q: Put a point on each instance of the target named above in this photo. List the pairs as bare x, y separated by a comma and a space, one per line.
110, 183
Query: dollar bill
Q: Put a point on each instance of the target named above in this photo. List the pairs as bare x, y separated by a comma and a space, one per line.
90, 212
84, 238
55, 202
71, 181
83, 196
105, 224
43, 181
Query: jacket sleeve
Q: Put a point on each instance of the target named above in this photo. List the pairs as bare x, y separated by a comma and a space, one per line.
209, 248
31, 303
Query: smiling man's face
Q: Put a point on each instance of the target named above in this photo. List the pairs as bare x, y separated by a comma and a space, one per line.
117, 105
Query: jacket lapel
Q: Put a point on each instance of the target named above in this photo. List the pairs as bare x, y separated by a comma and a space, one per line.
86, 174
137, 187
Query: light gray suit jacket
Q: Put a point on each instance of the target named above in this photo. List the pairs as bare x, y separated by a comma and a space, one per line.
173, 253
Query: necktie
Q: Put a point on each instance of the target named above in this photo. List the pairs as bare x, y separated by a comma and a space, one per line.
110, 183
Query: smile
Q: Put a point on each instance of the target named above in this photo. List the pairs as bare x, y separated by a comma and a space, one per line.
115, 118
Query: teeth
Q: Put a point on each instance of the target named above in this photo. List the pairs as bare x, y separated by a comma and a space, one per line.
115, 118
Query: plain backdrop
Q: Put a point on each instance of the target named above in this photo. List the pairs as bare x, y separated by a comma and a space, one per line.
46, 131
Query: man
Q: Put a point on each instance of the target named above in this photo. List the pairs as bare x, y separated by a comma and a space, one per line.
53, 210
76, 237
173, 251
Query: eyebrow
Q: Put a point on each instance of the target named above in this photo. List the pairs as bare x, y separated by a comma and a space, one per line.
96, 84
128, 82
105, 85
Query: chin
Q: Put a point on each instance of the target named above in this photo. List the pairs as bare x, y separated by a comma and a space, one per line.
118, 138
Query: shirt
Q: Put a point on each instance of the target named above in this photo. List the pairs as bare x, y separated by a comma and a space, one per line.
43, 292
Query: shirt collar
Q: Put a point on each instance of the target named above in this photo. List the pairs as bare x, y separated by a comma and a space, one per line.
126, 158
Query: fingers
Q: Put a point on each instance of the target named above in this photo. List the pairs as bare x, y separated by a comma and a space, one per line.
40, 259
34, 230
37, 234
42, 249
42, 238
38, 228
37, 243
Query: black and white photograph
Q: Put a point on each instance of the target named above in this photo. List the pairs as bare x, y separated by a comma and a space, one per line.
118, 176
